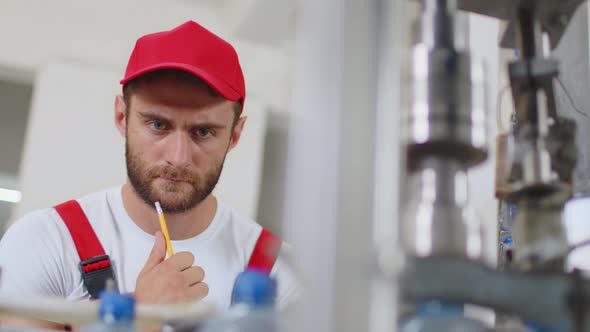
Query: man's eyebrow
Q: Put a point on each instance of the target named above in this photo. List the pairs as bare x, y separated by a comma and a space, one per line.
152, 116
206, 125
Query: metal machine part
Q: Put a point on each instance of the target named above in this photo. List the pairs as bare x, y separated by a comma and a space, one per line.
441, 145
535, 184
562, 147
554, 15
537, 222
538, 227
531, 80
440, 26
447, 115
446, 135
556, 301
541, 244
439, 219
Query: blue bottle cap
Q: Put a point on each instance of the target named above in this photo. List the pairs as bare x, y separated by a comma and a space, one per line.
254, 288
116, 307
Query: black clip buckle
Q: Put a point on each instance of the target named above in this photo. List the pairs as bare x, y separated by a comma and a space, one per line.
95, 281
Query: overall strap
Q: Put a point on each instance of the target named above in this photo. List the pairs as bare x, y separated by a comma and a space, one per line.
95, 264
265, 252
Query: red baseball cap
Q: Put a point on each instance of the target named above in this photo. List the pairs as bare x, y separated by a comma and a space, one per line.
194, 49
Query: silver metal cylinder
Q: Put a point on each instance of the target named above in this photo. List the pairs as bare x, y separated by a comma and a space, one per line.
446, 133
531, 80
440, 25
447, 113
439, 220
531, 138
536, 163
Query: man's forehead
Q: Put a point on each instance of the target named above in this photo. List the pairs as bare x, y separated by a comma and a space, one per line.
164, 97
218, 113
178, 91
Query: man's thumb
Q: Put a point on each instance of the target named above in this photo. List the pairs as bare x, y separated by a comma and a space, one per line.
158, 252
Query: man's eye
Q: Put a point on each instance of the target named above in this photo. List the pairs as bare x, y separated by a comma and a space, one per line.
203, 132
157, 125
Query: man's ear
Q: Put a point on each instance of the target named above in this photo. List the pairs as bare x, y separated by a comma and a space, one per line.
237, 133
120, 121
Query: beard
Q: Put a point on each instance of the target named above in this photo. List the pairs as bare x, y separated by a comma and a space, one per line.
174, 197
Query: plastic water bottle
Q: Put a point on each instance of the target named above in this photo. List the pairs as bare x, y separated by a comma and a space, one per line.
116, 313
252, 309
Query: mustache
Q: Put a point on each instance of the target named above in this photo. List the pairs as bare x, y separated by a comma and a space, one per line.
171, 173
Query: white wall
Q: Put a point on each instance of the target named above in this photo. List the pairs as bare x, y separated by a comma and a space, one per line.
239, 185
71, 147
102, 32
483, 45
14, 109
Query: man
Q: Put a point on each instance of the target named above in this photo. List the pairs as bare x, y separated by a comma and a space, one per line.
180, 113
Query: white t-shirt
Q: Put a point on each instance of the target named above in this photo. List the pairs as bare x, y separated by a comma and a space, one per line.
38, 256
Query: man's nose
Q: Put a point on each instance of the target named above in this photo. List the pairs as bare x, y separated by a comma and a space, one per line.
179, 150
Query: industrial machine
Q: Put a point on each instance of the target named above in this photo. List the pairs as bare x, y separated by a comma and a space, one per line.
445, 127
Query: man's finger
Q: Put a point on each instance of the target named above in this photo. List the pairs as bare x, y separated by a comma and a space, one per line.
193, 275
157, 254
181, 261
197, 291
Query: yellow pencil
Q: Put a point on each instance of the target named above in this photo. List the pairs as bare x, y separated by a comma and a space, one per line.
164, 229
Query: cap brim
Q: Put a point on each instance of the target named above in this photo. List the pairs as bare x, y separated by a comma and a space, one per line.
219, 85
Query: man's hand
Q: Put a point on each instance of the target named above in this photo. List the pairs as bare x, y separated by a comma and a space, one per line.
173, 280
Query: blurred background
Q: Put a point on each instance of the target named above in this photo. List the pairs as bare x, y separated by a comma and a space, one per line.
319, 162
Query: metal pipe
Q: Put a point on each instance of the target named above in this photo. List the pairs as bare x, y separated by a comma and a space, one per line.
529, 33
438, 23
553, 300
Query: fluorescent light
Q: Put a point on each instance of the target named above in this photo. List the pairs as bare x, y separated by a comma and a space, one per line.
11, 196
